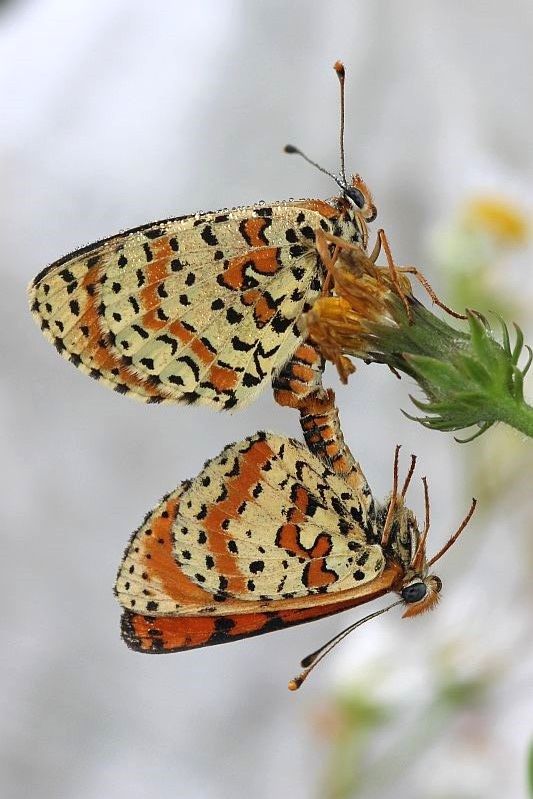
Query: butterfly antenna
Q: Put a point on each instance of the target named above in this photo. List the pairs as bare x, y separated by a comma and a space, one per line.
426, 505
312, 660
409, 475
456, 535
418, 557
291, 149
392, 507
341, 74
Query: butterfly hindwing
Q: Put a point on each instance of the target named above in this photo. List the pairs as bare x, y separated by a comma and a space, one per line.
264, 522
164, 634
178, 633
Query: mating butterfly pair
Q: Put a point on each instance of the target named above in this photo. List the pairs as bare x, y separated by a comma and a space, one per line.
209, 309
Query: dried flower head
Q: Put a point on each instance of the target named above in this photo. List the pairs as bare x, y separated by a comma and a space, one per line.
365, 295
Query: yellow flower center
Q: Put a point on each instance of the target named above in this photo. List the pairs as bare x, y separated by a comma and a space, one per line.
500, 218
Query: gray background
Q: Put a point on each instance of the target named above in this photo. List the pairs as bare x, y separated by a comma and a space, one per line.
114, 113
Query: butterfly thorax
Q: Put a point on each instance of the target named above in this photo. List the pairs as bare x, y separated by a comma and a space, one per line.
405, 545
350, 224
404, 535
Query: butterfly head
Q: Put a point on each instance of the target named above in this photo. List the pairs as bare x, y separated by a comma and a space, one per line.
357, 204
420, 594
358, 193
405, 543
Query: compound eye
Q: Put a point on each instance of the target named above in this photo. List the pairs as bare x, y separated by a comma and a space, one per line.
355, 196
414, 592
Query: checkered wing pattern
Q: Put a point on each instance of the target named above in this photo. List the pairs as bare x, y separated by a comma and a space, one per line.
200, 309
263, 521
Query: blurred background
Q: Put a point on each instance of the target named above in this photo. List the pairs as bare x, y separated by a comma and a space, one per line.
119, 112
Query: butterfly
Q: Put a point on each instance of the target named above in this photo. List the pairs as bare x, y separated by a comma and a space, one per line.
269, 535
205, 308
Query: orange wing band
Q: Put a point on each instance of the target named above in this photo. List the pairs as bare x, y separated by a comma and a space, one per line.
179, 633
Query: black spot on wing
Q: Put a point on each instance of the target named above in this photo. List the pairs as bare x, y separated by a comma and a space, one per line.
208, 236
242, 346
153, 233
193, 366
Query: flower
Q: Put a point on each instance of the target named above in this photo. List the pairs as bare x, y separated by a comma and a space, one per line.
468, 377
365, 297
499, 218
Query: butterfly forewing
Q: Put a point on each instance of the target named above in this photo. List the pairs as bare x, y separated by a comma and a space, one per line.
264, 521
198, 309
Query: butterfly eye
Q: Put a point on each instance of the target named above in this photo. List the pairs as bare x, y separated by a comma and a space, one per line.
414, 592
355, 196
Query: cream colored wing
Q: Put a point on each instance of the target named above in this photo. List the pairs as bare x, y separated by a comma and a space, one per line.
198, 309
263, 521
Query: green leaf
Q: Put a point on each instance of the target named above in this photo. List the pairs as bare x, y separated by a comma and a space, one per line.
441, 374
474, 370
519, 343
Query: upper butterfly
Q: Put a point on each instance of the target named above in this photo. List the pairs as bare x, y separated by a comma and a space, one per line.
203, 308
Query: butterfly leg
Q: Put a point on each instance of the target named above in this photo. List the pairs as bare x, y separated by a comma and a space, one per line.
328, 259
358, 258
393, 269
412, 270
367, 263
329, 238
374, 255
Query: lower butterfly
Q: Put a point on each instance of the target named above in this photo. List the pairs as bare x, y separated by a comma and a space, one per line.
270, 535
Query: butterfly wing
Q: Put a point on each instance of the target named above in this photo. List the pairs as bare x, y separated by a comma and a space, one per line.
196, 309
161, 634
265, 529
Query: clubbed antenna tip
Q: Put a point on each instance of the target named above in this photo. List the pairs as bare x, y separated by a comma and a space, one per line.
338, 66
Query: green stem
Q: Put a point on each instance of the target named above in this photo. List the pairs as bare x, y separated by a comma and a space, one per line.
518, 415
